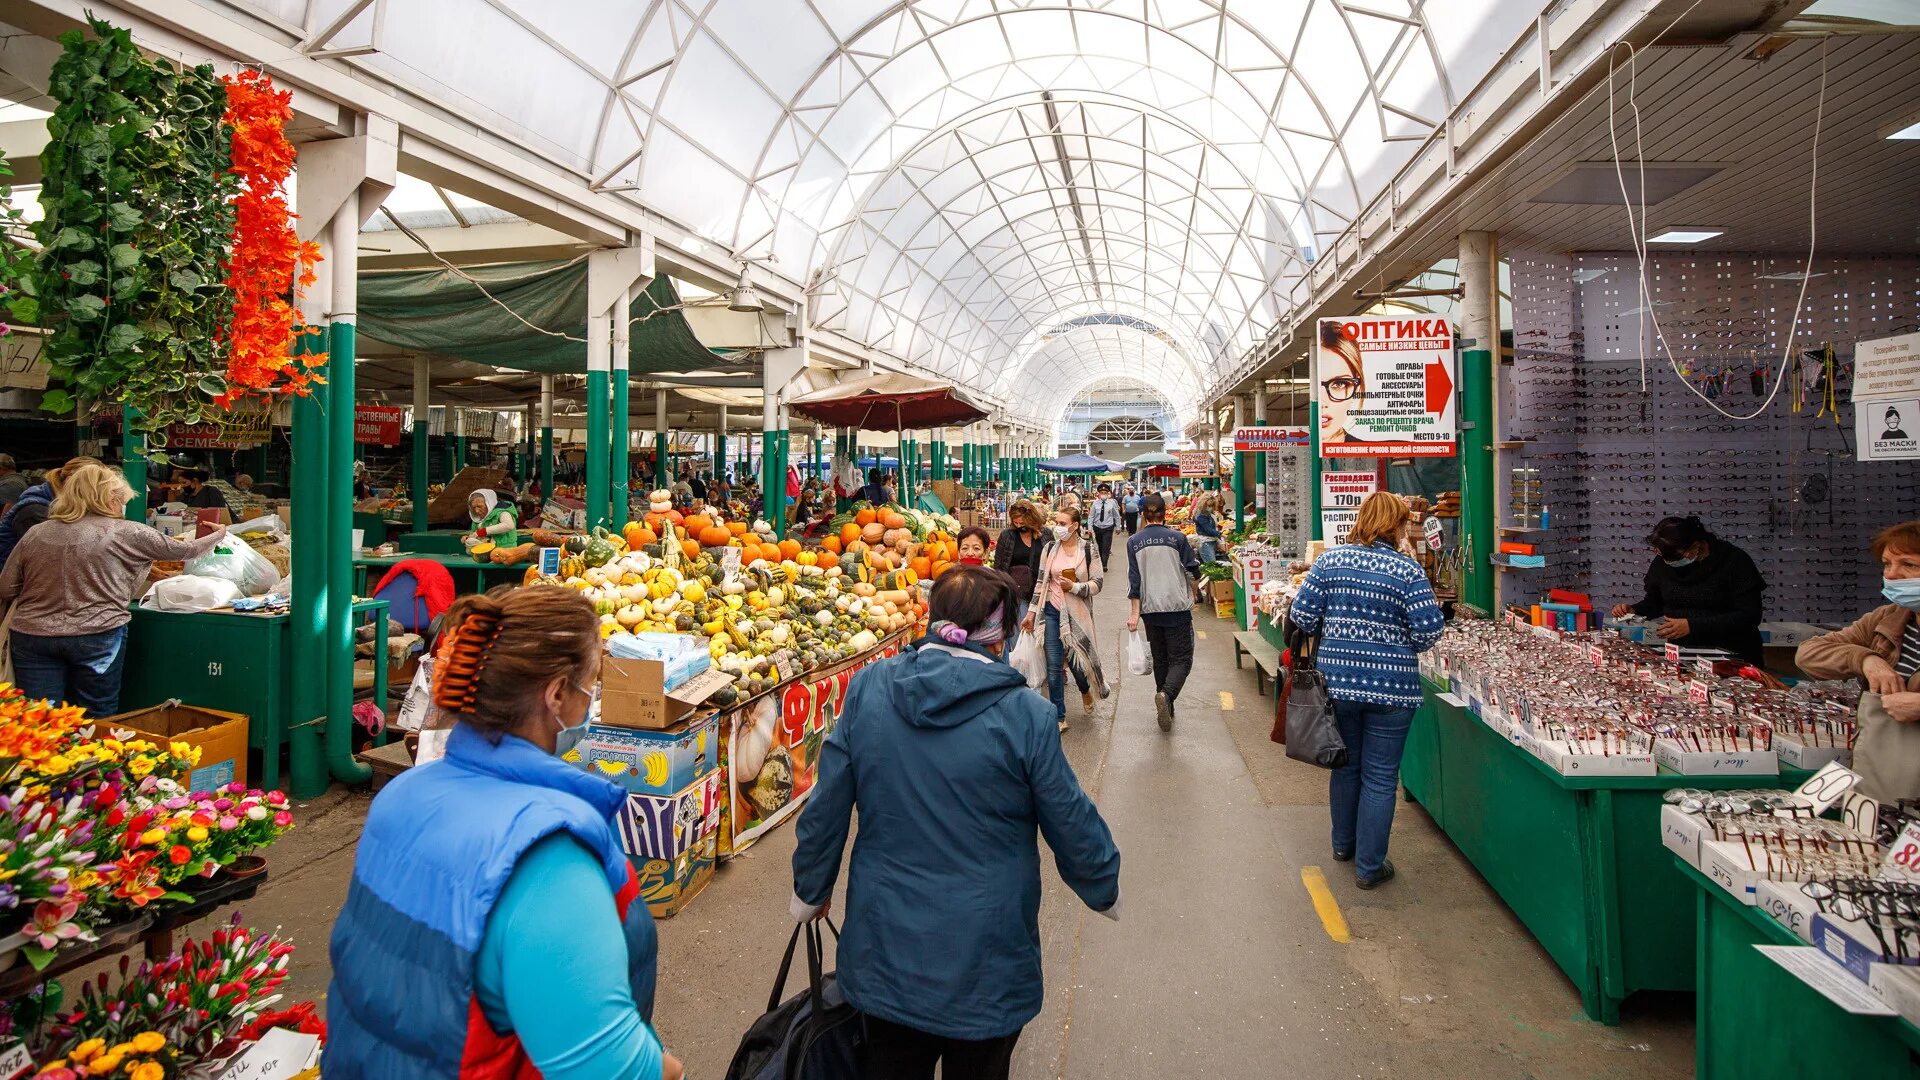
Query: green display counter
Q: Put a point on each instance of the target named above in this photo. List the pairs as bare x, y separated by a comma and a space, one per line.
1578, 859
1757, 1021
228, 661
433, 542
372, 528
468, 575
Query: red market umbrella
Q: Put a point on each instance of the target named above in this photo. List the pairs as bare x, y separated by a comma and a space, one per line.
889, 401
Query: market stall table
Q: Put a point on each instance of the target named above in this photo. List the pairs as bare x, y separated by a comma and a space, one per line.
1578, 859
463, 568
433, 541
233, 661
1757, 1021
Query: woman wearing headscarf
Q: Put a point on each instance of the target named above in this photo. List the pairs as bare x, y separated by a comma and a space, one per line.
954, 768
493, 522
1069, 576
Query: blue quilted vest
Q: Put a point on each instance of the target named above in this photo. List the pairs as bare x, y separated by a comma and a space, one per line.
40, 494
439, 845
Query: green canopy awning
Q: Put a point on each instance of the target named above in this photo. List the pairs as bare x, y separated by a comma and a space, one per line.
438, 311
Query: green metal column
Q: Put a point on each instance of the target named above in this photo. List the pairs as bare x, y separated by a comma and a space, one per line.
527, 450
817, 461
341, 763
1479, 337
620, 457
662, 471
597, 436
720, 447
546, 437
417, 473
133, 462
307, 774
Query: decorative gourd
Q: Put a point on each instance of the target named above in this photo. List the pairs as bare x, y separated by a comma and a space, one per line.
601, 549
737, 528
690, 548
638, 535
699, 523
789, 548
481, 550
709, 535
513, 556
873, 533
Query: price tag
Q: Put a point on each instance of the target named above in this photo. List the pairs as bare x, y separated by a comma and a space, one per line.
279, 1055
1698, 693
1673, 652
1431, 529
15, 1062
1828, 786
1595, 654
729, 564
1903, 858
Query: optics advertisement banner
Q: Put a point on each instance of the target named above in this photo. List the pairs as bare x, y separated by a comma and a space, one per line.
1385, 387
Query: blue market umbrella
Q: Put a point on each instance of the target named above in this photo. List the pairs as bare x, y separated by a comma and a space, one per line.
1077, 463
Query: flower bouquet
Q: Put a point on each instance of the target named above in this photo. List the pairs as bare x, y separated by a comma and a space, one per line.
208, 830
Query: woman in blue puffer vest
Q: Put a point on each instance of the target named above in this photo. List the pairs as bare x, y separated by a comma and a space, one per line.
955, 766
491, 928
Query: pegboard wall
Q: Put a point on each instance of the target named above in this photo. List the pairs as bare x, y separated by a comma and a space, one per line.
1614, 458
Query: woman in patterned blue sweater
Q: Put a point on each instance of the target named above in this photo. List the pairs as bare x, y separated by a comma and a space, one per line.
1374, 613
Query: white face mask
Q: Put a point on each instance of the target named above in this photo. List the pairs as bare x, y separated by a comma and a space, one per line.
1061, 532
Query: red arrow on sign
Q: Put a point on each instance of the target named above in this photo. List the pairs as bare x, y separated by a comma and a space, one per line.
1439, 388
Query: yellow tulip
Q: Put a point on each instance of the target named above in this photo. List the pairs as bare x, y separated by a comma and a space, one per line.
148, 1042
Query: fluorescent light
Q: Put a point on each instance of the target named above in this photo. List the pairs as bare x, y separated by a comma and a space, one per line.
1684, 234
1911, 131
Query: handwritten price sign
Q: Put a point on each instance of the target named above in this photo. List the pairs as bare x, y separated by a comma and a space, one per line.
1903, 859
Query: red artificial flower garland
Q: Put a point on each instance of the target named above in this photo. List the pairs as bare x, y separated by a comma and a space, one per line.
267, 258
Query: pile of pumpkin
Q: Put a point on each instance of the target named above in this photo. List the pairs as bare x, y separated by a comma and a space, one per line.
884, 539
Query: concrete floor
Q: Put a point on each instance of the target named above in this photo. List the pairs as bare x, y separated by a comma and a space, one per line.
1220, 967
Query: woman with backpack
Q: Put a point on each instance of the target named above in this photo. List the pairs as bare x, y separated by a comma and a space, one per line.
954, 766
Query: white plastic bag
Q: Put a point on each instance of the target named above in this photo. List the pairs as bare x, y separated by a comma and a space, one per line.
1139, 658
236, 561
1030, 658
190, 592
417, 707
266, 523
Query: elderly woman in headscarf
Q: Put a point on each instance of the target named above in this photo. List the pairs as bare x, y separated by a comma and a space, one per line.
493, 521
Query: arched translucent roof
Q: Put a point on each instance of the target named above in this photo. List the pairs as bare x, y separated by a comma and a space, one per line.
956, 178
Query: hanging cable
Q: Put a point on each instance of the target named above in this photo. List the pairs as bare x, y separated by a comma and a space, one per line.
1637, 229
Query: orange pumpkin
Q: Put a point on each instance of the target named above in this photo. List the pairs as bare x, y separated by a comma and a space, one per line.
737, 528
690, 549
941, 568
789, 548
699, 523
831, 543
713, 536
771, 552
659, 523
873, 532
849, 533
922, 566
892, 520
638, 535
866, 516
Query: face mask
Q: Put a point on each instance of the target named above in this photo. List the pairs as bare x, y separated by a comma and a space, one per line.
1678, 563
1902, 591
1060, 532
969, 560
570, 736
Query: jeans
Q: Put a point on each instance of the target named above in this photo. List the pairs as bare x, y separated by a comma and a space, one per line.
82, 669
1204, 548
1132, 518
1362, 792
1172, 649
1057, 666
897, 1052
1104, 538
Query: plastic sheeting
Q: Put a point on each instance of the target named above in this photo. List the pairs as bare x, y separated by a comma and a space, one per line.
438, 311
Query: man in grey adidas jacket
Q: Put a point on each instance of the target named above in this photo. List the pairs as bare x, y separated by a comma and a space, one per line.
1161, 569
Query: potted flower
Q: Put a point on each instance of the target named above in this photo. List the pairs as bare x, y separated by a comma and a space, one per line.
45, 876
242, 822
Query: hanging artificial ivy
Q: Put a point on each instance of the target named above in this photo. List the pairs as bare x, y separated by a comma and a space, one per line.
268, 258
138, 200
16, 260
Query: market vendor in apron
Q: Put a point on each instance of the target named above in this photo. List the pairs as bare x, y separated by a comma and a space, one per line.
1706, 592
1882, 650
493, 522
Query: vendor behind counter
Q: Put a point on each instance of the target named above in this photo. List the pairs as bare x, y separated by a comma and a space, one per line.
1707, 591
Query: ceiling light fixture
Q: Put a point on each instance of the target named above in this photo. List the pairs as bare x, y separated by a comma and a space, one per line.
1684, 234
744, 296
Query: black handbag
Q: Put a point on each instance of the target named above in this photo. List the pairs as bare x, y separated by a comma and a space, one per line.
814, 1035
1312, 734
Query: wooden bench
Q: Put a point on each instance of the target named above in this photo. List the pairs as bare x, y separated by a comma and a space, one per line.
1266, 658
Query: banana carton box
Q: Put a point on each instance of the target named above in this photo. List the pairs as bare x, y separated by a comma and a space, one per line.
672, 840
662, 763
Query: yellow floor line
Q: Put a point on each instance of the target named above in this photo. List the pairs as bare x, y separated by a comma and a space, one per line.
1324, 904
1226, 701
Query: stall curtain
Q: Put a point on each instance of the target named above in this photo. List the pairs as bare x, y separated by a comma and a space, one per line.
438, 311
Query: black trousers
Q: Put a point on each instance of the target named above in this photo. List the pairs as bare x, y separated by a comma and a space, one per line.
1104, 537
1172, 649
896, 1052
1132, 518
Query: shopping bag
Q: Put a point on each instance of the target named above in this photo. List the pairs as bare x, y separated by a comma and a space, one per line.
6, 645
1139, 657
1312, 735
814, 1035
1886, 753
236, 561
190, 593
1030, 658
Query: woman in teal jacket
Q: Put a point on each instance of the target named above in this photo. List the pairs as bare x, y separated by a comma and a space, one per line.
954, 764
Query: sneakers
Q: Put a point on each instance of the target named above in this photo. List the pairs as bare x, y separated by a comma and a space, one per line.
1163, 711
1063, 725
1343, 856
1385, 875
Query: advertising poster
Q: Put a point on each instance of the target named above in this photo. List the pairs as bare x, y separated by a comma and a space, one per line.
1194, 462
377, 425
772, 753
1385, 387
1888, 429
1341, 494
1261, 440
1886, 398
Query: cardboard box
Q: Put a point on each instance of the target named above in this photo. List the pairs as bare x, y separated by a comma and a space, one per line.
221, 737
1560, 757
1849, 943
1681, 833
1789, 906
653, 762
673, 841
1726, 863
1711, 763
1220, 590
635, 694
1798, 754
684, 656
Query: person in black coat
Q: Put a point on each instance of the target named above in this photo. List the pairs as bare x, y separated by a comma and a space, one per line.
1707, 592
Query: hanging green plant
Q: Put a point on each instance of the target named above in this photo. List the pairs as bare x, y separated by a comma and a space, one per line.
138, 211
16, 260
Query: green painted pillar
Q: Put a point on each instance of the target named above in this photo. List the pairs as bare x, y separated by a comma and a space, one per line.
620, 461
1479, 338
720, 446
341, 764
597, 436
307, 776
527, 451
546, 437
769, 438
417, 472
133, 462
662, 463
